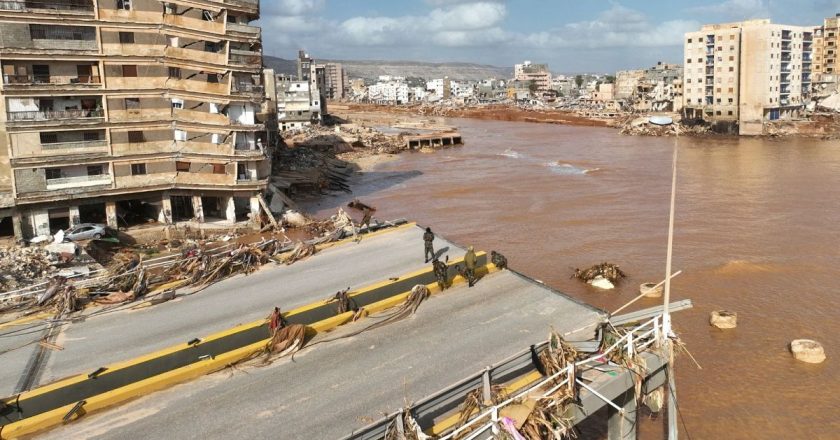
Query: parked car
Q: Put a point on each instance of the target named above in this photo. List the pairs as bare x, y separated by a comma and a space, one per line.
85, 231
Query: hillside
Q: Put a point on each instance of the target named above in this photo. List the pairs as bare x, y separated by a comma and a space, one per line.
371, 69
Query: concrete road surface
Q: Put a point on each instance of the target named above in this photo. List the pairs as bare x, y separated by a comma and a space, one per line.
123, 335
335, 387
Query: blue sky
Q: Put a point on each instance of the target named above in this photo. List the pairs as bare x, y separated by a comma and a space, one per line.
571, 36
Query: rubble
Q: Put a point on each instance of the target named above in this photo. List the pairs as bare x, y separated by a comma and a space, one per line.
23, 266
600, 274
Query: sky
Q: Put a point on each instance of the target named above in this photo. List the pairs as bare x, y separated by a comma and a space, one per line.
572, 36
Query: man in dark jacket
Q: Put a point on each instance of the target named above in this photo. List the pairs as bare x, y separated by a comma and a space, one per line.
428, 238
470, 262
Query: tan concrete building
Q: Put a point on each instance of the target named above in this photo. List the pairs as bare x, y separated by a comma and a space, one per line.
747, 73
114, 111
826, 47
538, 73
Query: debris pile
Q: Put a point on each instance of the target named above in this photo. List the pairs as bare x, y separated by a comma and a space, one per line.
21, 266
635, 125
604, 275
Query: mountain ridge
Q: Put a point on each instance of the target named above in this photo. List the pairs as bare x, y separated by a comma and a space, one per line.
371, 69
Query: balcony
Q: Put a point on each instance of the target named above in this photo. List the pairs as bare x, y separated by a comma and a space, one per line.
244, 30
78, 181
51, 115
785, 57
246, 58
785, 79
785, 47
245, 3
247, 89
72, 6
200, 117
710, 61
786, 35
193, 23
51, 80
195, 55
75, 145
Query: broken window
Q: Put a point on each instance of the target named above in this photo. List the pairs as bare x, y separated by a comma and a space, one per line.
90, 135
49, 138
177, 103
175, 72
126, 37
129, 70
132, 103
124, 5
182, 166
218, 168
138, 169
136, 137
52, 173
94, 170
213, 78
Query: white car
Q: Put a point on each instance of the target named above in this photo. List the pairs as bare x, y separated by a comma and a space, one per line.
85, 231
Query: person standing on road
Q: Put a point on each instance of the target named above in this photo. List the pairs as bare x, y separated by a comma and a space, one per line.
470, 262
428, 238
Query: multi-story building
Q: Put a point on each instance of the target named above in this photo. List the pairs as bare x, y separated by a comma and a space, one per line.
294, 104
746, 73
111, 108
538, 73
335, 81
825, 51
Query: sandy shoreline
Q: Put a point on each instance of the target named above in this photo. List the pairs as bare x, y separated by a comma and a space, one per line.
368, 163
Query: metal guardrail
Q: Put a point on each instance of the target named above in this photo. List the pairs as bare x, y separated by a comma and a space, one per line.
451, 398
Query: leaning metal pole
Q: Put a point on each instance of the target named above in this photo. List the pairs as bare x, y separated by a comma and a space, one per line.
666, 317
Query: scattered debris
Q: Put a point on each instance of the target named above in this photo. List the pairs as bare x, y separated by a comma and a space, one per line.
723, 319
651, 290
603, 275
23, 266
806, 350
498, 260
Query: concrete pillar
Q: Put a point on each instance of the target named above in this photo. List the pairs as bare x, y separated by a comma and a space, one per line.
165, 215
17, 222
111, 214
255, 212
40, 219
75, 217
230, 209
622, 425
198, 209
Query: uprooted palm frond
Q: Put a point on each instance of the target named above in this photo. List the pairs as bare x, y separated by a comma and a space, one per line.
557, 355
301, 251
610, 271
405, 428
287, 340
474, 402
550, 418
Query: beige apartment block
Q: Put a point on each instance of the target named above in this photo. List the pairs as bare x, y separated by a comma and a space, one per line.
116, 111
747, 73
538, 73
826, 46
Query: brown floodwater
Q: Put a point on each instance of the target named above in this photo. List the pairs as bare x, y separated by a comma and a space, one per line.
756, 233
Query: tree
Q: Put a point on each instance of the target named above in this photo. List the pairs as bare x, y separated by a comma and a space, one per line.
579, 80
609, 79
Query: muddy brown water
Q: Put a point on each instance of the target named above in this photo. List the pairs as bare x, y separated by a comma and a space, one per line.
757, 232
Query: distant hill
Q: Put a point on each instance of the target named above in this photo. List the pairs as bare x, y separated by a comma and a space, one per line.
371, 69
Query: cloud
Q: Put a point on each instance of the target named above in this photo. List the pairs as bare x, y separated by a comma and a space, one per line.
736, 9
295, 7
617, 27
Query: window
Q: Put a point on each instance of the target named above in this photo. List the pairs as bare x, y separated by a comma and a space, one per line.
90, 136
718, 113
94, 170
729, 112
218, 168
138, 169
129, 70
124, 5
207, 15
180, 135
731, 68
49, 138
136, 137
132, 103
688, 60
731, 58
689, 41
731, 90
52, 173
731, 102
182, 166
127, 37
213, 77
177, 103
175, 72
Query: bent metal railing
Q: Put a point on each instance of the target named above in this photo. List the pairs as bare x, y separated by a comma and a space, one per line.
637, 339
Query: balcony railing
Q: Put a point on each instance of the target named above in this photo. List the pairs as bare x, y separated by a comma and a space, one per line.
51, 115
253, 58
252, 3
71, 182
247, 88
243, 29
50, 79
11, 5
75, 144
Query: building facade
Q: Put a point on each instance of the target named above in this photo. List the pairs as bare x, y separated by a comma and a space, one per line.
115, 111
538, 73
294, 104
826, 46
747, 73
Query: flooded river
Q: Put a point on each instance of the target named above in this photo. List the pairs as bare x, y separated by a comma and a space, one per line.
757, 232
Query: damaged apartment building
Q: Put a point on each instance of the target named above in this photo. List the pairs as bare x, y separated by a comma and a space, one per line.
302, 100
657, 89
128, 111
